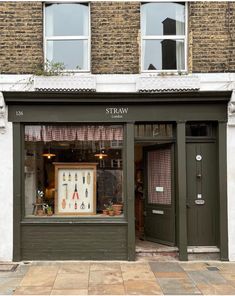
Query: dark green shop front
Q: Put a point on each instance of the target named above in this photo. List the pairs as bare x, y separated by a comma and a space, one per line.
93, 149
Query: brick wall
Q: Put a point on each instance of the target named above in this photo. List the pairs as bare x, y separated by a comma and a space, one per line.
21, 27
115, 30
211, 36
115, 43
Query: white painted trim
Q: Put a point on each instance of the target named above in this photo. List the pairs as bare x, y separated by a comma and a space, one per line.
160, 37
62, 38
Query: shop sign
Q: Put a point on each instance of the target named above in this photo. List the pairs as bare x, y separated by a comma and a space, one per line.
116, 112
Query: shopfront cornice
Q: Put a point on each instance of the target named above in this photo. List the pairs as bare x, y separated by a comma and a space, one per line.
12, 98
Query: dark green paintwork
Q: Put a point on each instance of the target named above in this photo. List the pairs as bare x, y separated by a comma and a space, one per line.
73, 242
130, 190
222, 169
17, 181
31, 236
181, 190
159, 227
201, 226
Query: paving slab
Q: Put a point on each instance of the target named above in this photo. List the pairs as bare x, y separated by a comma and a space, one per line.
8, 285
134, 287
207, 277
105, 277
74, 267
165, 267
178, 286
33, 291
69, 281
70, 292
107, 290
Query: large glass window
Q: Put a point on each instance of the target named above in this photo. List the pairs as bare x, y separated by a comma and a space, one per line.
67, 35
163, 36
73, 170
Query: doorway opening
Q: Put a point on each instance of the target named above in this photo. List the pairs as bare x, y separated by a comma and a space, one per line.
155, 199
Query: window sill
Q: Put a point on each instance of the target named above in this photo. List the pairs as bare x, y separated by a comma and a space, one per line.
159, 83
69, 82
74, 220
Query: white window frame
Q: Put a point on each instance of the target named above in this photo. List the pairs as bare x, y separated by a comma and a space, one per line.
64, 38
161, 37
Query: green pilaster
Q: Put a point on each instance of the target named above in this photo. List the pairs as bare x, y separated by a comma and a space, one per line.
130, 190
181, 191
222, 140
17, 167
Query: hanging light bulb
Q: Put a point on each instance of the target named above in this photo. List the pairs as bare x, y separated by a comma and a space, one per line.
49, 155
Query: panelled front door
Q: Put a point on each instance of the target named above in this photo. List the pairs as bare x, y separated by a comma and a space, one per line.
159, 223
202, 194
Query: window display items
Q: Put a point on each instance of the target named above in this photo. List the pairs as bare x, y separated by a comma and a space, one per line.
77, 196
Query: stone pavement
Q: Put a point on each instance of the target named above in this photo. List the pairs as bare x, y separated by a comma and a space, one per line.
120, 278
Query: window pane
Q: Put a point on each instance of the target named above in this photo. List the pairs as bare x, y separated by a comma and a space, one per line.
75, 188
153, 130
67, 19
199, 129
163, 19
73, 53
163, 54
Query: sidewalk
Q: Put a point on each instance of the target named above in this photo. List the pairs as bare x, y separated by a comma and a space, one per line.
120, 278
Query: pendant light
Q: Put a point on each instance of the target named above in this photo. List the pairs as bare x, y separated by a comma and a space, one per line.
48, 154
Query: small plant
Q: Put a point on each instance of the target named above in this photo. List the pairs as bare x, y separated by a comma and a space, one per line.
50, 68
49, 211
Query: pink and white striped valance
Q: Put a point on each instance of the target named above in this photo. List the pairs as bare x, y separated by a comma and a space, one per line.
48, 133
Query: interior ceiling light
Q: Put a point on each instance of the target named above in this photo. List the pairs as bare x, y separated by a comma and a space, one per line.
48, 155
101, 155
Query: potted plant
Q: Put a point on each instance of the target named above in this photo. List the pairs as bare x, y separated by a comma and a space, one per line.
49, 211
111, 211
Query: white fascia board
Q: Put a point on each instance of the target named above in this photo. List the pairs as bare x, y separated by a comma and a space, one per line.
121, 82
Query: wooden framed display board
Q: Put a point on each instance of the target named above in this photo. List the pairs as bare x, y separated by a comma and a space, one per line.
75, 188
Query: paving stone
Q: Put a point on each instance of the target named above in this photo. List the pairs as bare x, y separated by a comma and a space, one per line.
8, 285
33, 291
70, 292
134, 287
71, 281
178, 286
8, 267
216, 289
135, 266
165, 267
206, 277
193, 266
107, 290
138, 275
74, 267
105, 266
105, 277
176, 275
40, 276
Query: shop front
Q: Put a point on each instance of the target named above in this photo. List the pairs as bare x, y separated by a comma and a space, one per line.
93, 171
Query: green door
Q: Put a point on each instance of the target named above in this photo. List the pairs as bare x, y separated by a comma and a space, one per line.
159, 222
202, 194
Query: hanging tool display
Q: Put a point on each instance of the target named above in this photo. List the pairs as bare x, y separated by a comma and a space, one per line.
75, 206
86, 193
89, 206
63, 204
82, 206
66, 190
69, 177
88, 178
83, 178
76, 176
64, 178
75, 193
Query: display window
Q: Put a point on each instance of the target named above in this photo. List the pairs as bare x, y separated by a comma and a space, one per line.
73, 170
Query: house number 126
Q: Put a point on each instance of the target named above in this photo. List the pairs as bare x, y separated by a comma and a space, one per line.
19, 113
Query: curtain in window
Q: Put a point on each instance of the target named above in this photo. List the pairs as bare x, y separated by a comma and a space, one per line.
48, 133
159, 175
